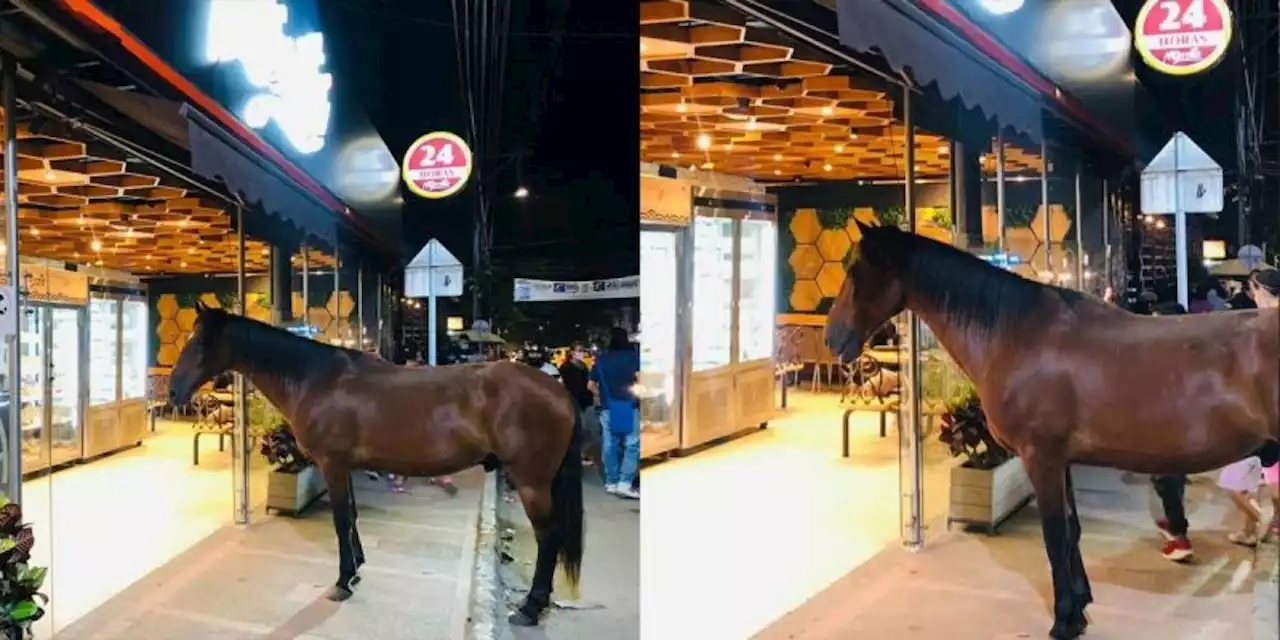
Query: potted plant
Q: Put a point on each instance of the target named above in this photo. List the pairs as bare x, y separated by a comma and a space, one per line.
20, 597
294, 482
989, 484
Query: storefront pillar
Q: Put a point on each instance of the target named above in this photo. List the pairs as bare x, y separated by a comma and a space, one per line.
909, 429
378, 318
240, 448
1000, 199
1079, 237
337, 288
1046, 236
966, 193
281, 286
359, 310
12, 476
306, 285
1106, 239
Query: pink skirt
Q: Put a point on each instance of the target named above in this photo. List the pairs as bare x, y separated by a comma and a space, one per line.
1241, 477
1271, 474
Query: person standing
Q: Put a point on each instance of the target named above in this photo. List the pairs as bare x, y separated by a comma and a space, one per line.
1264, 289
1172, 491
616, 371
575, 376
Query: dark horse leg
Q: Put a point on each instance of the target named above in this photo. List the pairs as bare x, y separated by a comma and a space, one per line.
357, 548
337, 479
555, 512
1049, 479
1079, 578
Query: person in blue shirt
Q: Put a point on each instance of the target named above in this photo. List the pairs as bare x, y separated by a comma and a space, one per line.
612, 377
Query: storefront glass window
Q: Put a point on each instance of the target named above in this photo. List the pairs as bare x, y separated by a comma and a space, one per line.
1093, 266
659, 318
104, 346
1056, 226
133, 348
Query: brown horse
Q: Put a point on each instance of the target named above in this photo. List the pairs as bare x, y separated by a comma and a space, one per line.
1067, 378
350, 410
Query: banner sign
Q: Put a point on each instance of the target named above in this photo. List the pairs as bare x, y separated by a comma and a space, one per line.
527, 290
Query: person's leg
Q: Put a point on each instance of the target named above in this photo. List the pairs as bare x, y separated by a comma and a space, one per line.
612, 453
1271, 476
630, 466
1173, 527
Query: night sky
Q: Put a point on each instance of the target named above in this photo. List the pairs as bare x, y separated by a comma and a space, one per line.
568, 129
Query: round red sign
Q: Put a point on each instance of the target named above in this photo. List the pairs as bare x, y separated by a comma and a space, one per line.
436, 165
1183, 37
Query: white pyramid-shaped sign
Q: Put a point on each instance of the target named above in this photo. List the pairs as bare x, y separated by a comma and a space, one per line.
434, 254
433, 273
1182, 177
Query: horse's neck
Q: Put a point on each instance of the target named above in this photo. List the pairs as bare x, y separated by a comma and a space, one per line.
273, 372
969, 346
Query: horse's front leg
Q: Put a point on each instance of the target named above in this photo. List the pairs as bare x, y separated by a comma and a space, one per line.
337, 479
356, 548
1079, 578
1048, 475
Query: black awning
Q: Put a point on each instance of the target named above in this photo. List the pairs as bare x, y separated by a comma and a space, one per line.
884, 27
161, 116
217, 155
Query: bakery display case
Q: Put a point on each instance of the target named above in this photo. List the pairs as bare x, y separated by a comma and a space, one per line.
658, 386
116, 416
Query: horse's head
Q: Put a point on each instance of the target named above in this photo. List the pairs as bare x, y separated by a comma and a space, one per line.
206, 355
872, 292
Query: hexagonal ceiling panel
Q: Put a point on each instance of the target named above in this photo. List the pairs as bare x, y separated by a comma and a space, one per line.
718, 94
86, 204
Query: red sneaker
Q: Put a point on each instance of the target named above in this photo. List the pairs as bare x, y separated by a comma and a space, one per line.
1178, 549
1162, 526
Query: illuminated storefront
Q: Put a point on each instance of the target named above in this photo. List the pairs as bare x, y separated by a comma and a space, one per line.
132, 208
974, 148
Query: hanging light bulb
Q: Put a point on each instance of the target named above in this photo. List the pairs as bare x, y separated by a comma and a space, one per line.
704, 141
522, 192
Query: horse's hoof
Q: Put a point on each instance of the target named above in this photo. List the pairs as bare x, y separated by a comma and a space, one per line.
521, 619
338, 594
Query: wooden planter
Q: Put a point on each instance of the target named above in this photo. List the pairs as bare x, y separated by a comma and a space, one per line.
292, 493
983, 499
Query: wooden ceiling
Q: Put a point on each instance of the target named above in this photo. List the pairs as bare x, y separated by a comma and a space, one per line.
719, 95
84, 203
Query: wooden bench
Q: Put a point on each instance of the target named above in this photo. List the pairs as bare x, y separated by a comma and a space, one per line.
212, 418
874, 389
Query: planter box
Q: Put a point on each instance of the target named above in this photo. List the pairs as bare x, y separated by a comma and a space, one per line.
983, 499
292, 493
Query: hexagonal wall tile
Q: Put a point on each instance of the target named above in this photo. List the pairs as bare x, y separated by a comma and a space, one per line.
167, 305
186, 320
805, 260
168, 331
167, 355
340, 304
805, 296
319, 318
296, 305
1059, 222
833, 244
211, 300
805, 226
830, 278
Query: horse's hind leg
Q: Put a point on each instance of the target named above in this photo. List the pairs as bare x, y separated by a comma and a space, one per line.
1049, 479
1079, 578
356, 547
337, 479
537, 505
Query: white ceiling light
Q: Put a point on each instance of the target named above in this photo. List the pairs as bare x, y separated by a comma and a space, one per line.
1000, 7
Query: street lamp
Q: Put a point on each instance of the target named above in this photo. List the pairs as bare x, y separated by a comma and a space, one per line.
522, 192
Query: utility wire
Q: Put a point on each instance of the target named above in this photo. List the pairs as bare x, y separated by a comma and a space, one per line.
401, 17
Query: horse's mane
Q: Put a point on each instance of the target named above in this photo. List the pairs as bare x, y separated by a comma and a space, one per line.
965, 288
275, 351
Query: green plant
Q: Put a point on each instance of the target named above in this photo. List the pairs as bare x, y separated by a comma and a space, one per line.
892, 217
20, 597
280, 448
264, 416
938, 216
965, 432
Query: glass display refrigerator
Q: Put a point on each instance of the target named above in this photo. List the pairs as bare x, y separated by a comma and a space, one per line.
731, 276
116, 413
661, 290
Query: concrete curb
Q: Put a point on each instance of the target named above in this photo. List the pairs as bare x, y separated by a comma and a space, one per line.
1266, 591
484, 593
459, 620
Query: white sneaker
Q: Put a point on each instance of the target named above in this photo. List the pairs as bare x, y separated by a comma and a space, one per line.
623, 491
611, 489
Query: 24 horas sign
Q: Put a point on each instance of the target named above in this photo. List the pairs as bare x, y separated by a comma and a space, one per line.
1183, 37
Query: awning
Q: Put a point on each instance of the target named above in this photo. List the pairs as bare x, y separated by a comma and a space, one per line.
217, 155
895, 30
157, 114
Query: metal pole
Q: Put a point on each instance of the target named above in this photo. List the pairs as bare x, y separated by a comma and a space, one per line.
13, 439
915, 528
360, 307
378, 311
337, 287
1000, 201
431, 318
1180, 230
1044, 204
1106, 236
1080, 257
241, 439
306, 287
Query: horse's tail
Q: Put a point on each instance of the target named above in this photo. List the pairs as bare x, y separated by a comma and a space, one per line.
566, 504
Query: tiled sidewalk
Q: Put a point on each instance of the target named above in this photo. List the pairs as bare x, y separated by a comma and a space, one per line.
268, 580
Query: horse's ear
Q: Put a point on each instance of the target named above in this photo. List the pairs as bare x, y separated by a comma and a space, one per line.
200, 308
862, 226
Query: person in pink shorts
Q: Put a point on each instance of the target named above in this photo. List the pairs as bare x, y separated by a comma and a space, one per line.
1271, 477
